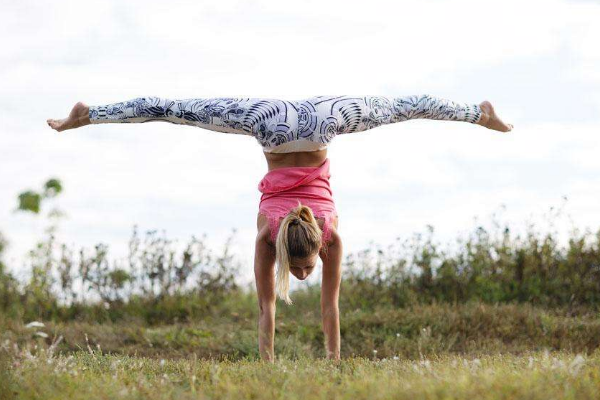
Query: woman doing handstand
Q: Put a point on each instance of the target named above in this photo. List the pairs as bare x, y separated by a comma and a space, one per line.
297, 220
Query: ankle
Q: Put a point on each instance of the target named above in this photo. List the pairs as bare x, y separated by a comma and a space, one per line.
483, 119
84, 116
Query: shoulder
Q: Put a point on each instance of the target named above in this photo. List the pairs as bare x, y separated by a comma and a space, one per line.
334, 237
264, 230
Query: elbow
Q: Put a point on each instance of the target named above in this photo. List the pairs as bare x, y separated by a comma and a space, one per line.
330, 311
266, 308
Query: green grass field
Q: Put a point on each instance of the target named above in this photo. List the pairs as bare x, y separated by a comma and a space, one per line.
504, 318
90, 375
468, 351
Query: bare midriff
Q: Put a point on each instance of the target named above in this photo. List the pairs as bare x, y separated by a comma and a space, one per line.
296, 159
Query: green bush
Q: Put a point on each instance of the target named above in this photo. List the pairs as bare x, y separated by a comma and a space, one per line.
161, 283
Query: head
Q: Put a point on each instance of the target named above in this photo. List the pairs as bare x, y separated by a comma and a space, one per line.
297, 248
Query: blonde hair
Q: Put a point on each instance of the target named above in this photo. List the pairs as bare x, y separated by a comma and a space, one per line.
299, 236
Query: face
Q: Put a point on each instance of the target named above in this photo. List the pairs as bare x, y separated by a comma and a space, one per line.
301, 268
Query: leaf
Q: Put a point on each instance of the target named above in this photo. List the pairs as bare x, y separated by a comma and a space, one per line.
119, 277
52, 188
30, 201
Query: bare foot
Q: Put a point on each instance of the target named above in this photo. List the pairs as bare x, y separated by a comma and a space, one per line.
490, 120
78, 117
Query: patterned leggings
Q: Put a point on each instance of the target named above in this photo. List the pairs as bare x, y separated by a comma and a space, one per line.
274, 122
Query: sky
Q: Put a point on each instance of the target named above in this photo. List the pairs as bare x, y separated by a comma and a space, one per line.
536, 61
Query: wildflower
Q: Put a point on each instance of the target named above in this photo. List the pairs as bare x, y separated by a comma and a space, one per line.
576, 364
557, 364
396, 358
162, 362
546, 354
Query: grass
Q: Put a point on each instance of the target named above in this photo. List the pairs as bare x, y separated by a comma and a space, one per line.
423, 352
496, 315
466, 329
91, 375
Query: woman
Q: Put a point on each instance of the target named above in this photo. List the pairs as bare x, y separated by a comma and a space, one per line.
297, 221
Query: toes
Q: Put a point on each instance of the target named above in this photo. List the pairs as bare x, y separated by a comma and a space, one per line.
54, 124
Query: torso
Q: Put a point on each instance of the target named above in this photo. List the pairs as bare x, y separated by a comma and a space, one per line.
298, 159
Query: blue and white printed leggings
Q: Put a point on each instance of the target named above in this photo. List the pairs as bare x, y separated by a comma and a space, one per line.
274, 122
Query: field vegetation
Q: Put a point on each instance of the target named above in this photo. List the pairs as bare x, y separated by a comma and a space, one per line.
496, 314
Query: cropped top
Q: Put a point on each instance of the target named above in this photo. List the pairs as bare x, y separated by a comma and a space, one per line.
283, 188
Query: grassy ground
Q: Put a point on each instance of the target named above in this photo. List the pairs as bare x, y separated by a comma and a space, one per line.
471, 329
430, 352
94, 376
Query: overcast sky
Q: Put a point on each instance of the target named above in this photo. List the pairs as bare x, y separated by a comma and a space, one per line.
536, 61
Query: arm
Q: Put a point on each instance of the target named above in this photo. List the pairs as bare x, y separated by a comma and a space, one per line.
264, 272
330, 290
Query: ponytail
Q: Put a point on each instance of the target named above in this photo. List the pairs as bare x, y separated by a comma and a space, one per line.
299, 236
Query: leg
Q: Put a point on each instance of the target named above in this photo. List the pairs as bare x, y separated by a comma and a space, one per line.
429, 107
271, 121
335, 115
217, 114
